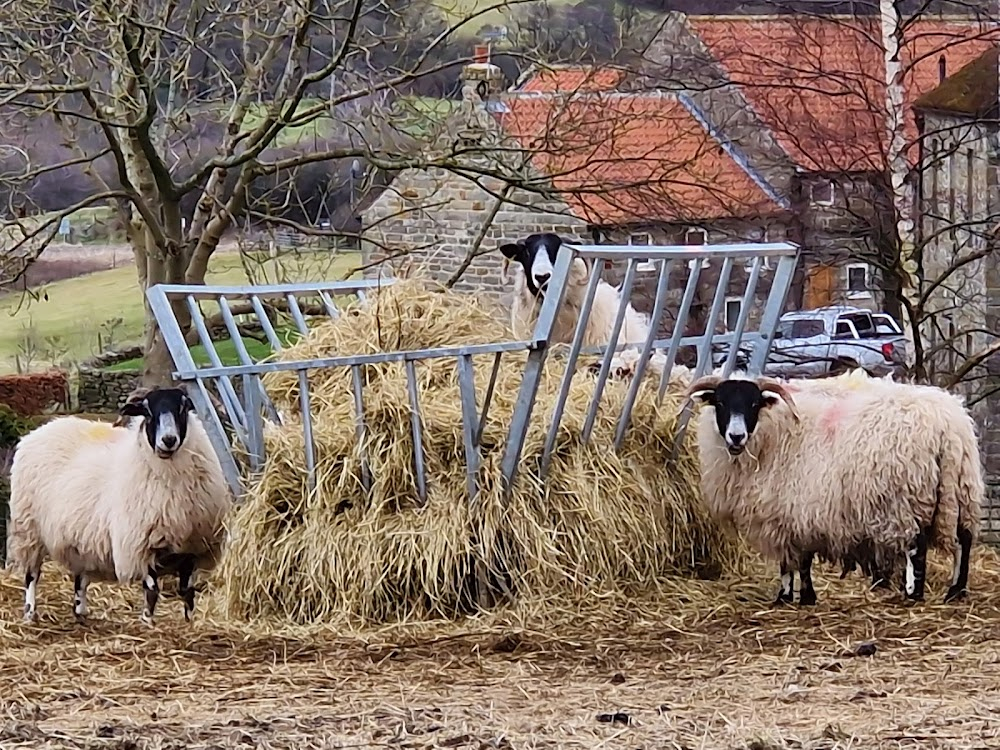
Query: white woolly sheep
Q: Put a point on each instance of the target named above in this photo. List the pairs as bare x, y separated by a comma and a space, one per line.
119, 503
536, 256
886, 469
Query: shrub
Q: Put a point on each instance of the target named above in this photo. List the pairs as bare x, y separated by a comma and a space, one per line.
34, 393
12, 427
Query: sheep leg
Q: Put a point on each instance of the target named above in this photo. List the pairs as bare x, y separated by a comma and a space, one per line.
30, 592
152, 591
786, 592
916, 567
185, 581
80, 596
807, 594
960, 582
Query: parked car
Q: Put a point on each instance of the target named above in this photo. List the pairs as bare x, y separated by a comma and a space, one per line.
828, 341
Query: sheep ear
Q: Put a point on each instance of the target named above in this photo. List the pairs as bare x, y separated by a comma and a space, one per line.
134, 409
512, 250
187, 404
705, 395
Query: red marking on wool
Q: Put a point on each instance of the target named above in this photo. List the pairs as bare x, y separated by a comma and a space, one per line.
830, 418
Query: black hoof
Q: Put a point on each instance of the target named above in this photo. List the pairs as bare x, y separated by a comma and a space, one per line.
807, 599
955, 594
782, 600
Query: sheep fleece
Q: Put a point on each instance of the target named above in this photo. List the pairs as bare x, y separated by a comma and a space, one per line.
865, 463
98, 501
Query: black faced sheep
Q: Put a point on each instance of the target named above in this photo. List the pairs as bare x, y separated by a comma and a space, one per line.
535, 257
119, 503
882, 469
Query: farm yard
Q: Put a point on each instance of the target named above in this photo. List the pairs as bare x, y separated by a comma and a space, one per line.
697, 664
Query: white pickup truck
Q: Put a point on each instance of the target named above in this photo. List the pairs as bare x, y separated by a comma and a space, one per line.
830, 340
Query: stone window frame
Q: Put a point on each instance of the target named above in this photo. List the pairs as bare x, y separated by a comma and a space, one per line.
739, 302
814, 187
645, 265
865, 293
688, 231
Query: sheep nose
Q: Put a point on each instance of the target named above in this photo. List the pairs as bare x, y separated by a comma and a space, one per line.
737, 438
542, 278
169, 441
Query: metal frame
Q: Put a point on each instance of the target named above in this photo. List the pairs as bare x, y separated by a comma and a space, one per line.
247, 412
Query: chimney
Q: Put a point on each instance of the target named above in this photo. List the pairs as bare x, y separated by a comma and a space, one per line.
481, 79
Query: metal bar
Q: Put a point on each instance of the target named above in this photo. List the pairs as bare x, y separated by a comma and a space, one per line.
659, 302
525, 403
685, 252
217, 435
246, 359
417, 429
467, 393
361, 428
705, 349
679, 324
305, 407
780, 284
365, 359
602, 376
489, 397
296, 311
252, 390
173, 337
567, 378
718, 304
273, 290
226, 390
331, 308
265, 323
741, 321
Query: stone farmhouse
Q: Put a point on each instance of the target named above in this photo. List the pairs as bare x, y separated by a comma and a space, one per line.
729, 128
959, 194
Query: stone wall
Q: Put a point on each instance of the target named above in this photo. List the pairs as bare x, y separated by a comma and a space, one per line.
432, 219
104, 391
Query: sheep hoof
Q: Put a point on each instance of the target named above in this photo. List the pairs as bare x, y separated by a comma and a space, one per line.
955, 594
807, 598
782, 599
29, 616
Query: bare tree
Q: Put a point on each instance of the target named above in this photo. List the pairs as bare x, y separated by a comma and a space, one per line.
182, 110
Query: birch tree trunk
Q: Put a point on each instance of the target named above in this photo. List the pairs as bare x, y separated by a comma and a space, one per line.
903, 198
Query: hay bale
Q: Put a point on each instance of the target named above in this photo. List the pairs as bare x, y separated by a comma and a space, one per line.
602, 520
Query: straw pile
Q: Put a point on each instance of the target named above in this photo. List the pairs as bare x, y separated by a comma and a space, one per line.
602, 521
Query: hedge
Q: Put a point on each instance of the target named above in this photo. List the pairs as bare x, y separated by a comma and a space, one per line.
35, 392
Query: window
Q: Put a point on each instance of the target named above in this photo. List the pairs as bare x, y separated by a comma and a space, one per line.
845, 330
821, 193
759, 235
696, 236
645, 265
733, 307
806, 328
858, 281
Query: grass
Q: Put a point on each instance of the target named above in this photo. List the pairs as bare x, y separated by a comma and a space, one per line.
317, 129
63, 324
226, 351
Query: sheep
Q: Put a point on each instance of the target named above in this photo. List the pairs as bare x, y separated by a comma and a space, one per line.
885, 469
119, 503
536, 256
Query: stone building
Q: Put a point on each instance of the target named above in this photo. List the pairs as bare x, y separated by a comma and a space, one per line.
786, 100
957, 237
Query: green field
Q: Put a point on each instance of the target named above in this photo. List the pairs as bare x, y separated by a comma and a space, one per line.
62, 326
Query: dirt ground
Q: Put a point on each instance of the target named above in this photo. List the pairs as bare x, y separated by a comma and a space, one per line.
716, 667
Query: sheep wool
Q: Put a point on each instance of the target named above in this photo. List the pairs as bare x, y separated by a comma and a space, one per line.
97, 500
868, 461
603, 311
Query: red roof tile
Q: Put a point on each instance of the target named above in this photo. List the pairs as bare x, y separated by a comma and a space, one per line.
626, 158
574, 78
819, 82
